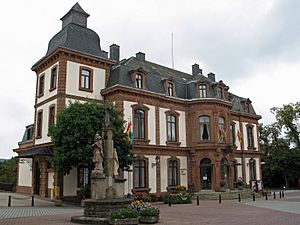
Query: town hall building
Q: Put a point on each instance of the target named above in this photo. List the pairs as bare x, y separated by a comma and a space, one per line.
188, 129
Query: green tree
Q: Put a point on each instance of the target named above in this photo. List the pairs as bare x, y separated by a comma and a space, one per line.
288, 118
74, 134
8, 171
280, 144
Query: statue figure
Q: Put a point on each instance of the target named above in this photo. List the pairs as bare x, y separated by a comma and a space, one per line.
98, 153
115, 162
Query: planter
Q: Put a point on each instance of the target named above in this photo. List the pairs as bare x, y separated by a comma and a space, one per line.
149, 219
126, 221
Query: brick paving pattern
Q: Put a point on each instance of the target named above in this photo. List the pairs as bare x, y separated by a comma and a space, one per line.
207, 213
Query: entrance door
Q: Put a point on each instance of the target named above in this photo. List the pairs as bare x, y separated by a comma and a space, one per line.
37, 179
206, 174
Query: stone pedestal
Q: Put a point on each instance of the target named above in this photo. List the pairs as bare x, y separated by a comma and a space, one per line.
98, 211
107, 190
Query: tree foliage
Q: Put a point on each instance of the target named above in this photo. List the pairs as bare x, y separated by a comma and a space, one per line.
8, 171
74, 134
280, 144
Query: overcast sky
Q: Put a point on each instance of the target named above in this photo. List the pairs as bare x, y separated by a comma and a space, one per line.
252, 45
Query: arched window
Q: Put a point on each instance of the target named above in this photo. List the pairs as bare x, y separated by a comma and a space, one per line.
204, 128
139, 173
171, 127
173, 172
252, 169
221, 130
202, 91
139, 124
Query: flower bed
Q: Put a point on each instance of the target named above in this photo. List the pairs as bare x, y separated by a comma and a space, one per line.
180, 198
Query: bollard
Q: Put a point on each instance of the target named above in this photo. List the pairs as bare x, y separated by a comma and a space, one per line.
239, 197
220, 199
32, 201
169, 200
282, 194
253, 196
197, 200
274, 195
279, 194
9, 200
266, 196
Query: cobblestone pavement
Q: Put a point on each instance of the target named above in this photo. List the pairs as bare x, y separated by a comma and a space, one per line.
207, 213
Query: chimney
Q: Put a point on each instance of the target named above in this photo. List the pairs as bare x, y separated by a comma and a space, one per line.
140, 56
211, 76
114, 52
196, 70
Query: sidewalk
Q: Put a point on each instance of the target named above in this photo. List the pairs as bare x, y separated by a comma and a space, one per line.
22, 200
272, 212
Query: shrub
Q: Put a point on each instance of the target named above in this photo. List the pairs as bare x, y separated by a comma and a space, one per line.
148, 198
151, 211
181, 198
239, 182
124, 213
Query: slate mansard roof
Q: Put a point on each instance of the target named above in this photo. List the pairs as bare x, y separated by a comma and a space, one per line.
185, 83
75, 35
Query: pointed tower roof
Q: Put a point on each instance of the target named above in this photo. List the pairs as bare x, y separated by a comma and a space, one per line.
75, 35
75, 15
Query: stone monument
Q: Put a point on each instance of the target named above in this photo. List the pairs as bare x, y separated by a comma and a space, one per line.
107, 188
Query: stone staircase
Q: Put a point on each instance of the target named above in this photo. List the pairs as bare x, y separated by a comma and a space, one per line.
228, 195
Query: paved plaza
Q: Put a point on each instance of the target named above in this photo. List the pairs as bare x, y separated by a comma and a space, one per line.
261, 212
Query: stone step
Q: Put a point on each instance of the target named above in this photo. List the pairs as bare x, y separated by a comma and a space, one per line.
228, 195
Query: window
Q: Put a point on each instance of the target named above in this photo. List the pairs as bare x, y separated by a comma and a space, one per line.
202, 91
139, 124
86, 79
221, 131
41, 85
173, 173
170, 89
39, 124
139, 174
171, 127
138, 81
252, 170
232, 134
204, 128
53, 78
247, 107
220, 93
51, 117
250, 137
82, 176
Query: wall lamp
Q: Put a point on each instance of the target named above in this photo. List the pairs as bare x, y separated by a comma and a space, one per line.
156, 161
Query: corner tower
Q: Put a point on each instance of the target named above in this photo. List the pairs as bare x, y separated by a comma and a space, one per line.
74, 68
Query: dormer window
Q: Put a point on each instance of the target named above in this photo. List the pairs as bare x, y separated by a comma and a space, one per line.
202, 91
247, 107
138, 81
220, 92
170, 89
